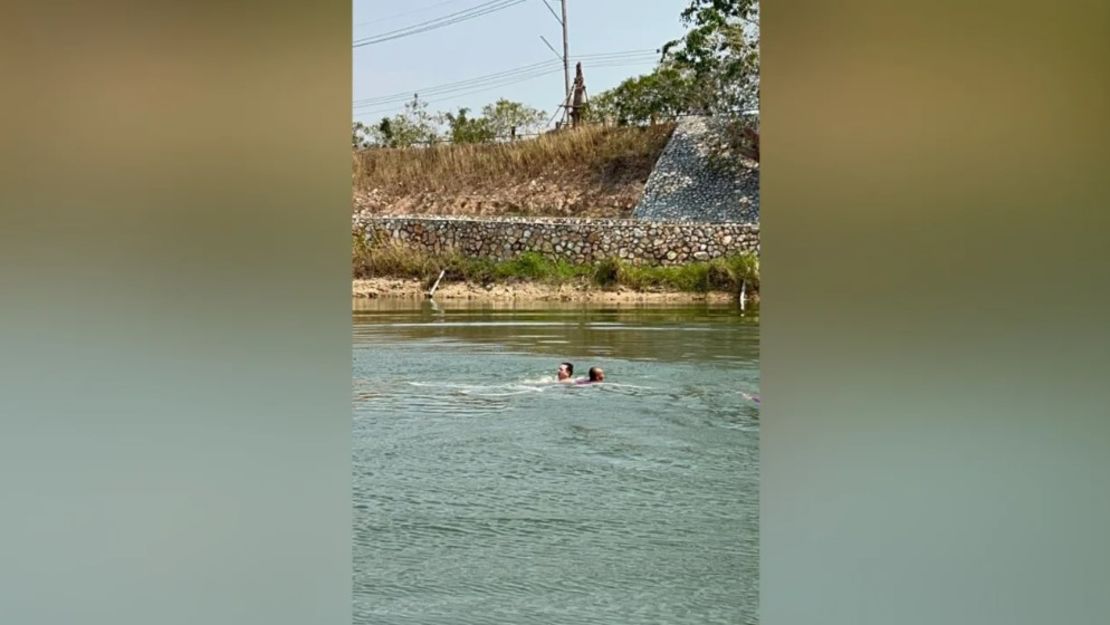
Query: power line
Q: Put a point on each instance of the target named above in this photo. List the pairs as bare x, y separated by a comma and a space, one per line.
552, 48
470, 82
455, 96
445, 96
622, 62
493, 81
447, 20
615, 55
404, 95
556, 15
394, 16
461, 13
453, 18
381, 107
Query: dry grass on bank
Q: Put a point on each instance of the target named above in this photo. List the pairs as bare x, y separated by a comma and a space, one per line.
592, 155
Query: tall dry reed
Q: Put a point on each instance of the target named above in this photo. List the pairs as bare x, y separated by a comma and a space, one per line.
600, 155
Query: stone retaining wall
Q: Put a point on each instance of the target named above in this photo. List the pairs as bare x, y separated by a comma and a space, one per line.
576, 240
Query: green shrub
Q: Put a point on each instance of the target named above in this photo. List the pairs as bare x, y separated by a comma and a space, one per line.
607, 273
530, 265
746, 267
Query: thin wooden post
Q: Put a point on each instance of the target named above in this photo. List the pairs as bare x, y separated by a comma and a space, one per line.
436, 285
579, 96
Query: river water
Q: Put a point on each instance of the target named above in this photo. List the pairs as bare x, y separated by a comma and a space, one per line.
484, 492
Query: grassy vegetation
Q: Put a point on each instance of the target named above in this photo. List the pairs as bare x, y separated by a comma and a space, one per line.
398, 261
720, 274
593, 154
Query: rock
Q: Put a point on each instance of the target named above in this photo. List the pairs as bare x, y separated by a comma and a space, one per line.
578, 239
686, 185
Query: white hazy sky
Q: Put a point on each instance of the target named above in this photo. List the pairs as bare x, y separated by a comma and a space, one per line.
500, 41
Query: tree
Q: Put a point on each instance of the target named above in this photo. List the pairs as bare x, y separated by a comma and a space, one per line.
361, 136
415, 126
720, 54
662, 94
463, 129
711, 70
505, 116
385, 132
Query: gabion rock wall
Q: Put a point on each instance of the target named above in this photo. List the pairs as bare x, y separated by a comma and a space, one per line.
686, 184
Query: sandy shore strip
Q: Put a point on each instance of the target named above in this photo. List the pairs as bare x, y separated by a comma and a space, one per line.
394, 288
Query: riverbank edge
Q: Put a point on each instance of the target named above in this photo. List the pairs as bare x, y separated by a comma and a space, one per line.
371, 288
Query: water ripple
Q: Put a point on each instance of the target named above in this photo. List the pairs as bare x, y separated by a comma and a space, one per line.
485, 492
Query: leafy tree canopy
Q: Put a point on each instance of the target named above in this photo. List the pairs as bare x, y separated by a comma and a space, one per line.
504, 116
720, 53
465, 129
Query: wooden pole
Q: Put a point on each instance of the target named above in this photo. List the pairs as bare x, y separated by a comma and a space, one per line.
579, 96
436, 285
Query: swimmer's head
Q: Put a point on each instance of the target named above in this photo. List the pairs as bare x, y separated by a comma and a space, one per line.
565, 371
596, 374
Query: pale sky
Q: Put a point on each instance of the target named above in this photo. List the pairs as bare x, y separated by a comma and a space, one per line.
502, 40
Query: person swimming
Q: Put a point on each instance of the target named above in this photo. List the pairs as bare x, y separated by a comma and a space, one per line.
565, 373
597, 374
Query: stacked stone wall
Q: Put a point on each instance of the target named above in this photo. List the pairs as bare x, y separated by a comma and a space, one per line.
577, 240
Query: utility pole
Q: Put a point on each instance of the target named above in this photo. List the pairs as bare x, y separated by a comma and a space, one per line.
566, 60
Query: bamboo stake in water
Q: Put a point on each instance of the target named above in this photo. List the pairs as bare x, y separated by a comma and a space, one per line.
436, 285
743, 294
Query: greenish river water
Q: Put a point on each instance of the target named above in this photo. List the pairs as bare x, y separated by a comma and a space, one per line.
484, 492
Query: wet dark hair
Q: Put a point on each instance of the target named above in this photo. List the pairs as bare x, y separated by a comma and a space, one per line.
593, 374
570, 367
